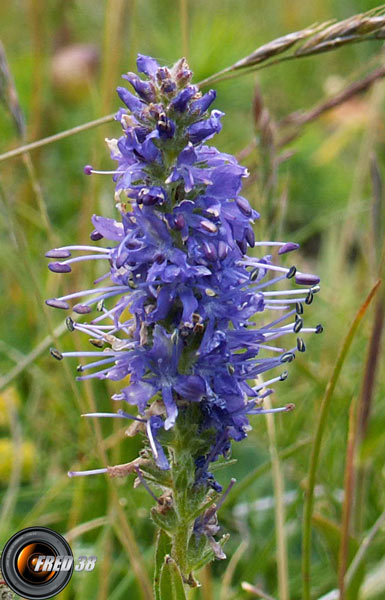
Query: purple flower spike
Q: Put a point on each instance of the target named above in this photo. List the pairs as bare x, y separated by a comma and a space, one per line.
57, 267
182, 314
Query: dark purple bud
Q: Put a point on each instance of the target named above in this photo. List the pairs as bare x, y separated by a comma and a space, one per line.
88, 170
289, 247
200, 106
163, 73
242, 246
147, 65
57, 267
168, 86
179, 222
205, 129
95, 236
243, 206
250, 237
159, 258
210, 251
181, 101
145, 89
57, 303
223, 250
306, 279
132, 102
58, 253
82, 309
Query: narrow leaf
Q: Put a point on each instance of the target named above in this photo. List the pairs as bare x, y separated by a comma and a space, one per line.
171, 583
162, 548
321, 426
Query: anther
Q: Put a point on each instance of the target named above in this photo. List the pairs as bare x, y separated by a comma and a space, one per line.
319, 328
88, 169
100, 306
95, 236
309, 298
70, 324
175, 336
209, 226
287, 357
79, 368
289, 407
210, 292
283, 376
315, 289
288, 247
298, 325
254, 274
301, 345
299, 308
82, 309
230, 369
58, 267
96, 342
306, 279
58, 253
291, 273
56, 354
57, 303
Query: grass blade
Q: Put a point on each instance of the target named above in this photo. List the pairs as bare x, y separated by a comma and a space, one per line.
322, 419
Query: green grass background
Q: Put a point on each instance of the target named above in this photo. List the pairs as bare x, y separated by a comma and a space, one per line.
329, 209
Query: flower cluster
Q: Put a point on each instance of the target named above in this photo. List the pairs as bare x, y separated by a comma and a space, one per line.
186, 314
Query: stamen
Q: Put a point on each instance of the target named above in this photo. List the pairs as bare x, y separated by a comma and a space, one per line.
89, 170
85, 473
145, 484
263, 411
70, 324
56, 354
292, 272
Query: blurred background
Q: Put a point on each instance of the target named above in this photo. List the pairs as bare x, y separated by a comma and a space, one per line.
316, 180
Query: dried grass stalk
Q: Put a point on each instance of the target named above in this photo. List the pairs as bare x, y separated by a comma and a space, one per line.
310, 41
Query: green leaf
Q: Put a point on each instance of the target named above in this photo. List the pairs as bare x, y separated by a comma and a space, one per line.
171, 583
163, 547
331, 533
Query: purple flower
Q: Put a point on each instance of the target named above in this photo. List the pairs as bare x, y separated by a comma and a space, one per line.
180, 308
